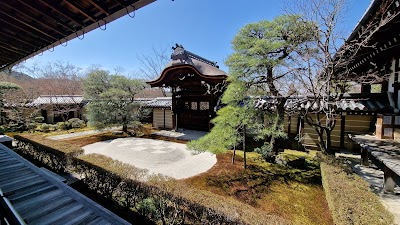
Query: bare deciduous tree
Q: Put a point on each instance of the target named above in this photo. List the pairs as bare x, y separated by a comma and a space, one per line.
151, 65
328, 62
55, 79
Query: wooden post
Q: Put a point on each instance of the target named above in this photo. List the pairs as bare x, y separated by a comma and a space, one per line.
388, 184
164, 118
364, 157
365, 88
342, 129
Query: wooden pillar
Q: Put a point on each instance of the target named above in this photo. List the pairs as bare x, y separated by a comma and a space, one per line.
388, 184
364, 157
365, 88
396, 82
385, 86
174, 112
342, 129
164, 118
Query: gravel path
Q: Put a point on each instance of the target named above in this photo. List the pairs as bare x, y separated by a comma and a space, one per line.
82, 133
159, 157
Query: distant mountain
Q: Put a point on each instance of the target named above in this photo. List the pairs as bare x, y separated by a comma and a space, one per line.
18, 75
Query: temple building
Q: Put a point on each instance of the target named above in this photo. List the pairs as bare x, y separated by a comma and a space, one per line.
196, 85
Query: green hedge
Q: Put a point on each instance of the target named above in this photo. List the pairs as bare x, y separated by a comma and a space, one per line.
164, 200
55, 154
160, 199
349, 197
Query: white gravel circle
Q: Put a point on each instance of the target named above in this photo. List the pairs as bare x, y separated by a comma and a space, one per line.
158, 157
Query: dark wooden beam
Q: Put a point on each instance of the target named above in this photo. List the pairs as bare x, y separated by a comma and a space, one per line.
7, 46
82, 11
10, 50
98, 6
61, 12
13, 37
4, 59
47, 15
31, 34
34, 19
123, 4
28, 25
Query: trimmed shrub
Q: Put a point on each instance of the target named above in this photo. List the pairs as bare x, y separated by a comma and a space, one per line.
136, 128
349, 197
45, 127
63, 125
162, 199
39, 119
31, 126
55, 154
52, 127
77, 123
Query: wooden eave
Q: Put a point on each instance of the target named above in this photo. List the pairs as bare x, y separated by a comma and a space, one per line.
29, 28
165, 78
386, 40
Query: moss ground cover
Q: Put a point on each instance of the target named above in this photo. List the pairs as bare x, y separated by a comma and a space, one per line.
296, 195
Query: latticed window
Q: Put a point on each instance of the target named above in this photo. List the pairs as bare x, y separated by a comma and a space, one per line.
187, 106
194, 106
204, 106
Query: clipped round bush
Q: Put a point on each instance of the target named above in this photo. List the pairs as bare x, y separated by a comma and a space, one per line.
39, 119
31, 126
52, 127
45, 127
77, 123
63, 125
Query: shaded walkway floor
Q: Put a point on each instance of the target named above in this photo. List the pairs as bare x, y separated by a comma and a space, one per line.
374, 177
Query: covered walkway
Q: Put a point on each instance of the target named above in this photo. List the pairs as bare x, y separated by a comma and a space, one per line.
28, 195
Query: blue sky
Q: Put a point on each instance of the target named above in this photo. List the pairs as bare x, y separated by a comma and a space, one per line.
204, 27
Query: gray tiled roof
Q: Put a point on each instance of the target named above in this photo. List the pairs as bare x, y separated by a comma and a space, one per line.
150, 93
164, 103
57, 100
371, 103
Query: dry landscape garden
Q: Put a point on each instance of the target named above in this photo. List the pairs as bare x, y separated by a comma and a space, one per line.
304, 128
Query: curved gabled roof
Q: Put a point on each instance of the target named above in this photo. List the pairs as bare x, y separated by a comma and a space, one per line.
185, 59
202, 67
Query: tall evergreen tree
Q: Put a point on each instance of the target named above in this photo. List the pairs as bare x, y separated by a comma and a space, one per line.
259, 64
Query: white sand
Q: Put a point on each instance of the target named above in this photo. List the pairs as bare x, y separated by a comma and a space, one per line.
159, 157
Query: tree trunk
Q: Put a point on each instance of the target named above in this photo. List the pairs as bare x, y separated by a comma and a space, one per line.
124, 128
244, 147
321, 141
279, 122
124, 124
234, 154
328, 143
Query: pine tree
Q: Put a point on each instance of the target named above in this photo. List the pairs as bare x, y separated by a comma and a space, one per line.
111, 99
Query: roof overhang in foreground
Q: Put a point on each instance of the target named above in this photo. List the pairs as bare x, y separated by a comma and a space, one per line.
385, 41
30, 28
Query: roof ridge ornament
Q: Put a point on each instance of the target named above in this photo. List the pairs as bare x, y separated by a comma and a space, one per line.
181, 54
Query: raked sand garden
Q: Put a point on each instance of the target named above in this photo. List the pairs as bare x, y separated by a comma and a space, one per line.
158, 157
